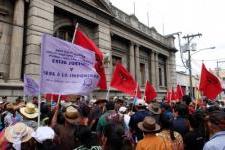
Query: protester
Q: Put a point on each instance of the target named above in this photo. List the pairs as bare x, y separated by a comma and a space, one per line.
12, 116
96, 113
216, 125
173, 139
110, 116
44, 137
114, 138
196, 137
30, 114
155, 110
84, 113
19, 137
180, 122
86, 139
65, 132
150, 140
139, 116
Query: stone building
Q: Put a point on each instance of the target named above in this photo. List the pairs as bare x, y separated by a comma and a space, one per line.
142, 50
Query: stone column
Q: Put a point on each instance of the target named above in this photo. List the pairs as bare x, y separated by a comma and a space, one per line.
132, 62
137, 63
157, 70
168, 79
17, 42
153, 71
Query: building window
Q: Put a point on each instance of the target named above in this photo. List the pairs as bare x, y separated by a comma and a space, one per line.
142, 71
65, 33
115, 60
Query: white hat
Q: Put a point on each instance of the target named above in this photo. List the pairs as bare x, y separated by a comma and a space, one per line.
43, 133
122, 109
139, 102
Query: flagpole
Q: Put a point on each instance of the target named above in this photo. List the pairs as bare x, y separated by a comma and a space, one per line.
136, 90
145, 88
39, 108
107, 95
51, 101
58, 99
75, 31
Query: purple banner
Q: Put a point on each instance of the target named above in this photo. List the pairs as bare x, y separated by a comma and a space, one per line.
31, 87
66, 68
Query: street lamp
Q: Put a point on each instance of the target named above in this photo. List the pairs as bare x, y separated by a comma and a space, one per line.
189, 64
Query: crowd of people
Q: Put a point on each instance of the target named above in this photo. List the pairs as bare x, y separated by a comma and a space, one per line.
114, 124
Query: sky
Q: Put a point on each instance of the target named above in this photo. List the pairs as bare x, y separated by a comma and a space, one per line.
189, 17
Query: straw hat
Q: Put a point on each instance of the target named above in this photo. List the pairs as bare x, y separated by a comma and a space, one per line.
155, 108
19, 131
149, 125
72, 115
29, 111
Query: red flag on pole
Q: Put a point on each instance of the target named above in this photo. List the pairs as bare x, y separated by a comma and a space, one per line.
168, 96
82, 40
180, 92
173, 95
150, 92
209, 84
123, 81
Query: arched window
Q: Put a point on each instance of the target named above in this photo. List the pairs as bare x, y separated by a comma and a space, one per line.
65, 33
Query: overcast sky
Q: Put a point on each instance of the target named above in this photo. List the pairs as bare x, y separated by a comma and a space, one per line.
188, 17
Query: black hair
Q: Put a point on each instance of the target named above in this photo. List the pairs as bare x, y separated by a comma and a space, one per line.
182, 110
46, 145
84, 110
84, 135
218, 118
166, 123
110, 105
116, 140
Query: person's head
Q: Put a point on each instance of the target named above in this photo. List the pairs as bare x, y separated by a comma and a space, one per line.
216, 121
166, 123
72, 115
84, 110
149, 125
110, 105
44, 137
30, 111
113, 137
85, 136
181, 110
196, 120
19, 99
19, 135
100, 103
139, 104
118, 103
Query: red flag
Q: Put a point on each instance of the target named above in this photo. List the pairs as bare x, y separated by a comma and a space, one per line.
150, 92
82, 40
209, 84
123, 81
168, 96
173, 95
54, 97
180, 92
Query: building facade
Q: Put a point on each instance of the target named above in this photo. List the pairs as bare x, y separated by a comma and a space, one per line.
183, 80
142, 50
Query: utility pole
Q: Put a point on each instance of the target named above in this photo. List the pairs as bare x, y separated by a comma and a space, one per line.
218, 73
189, 38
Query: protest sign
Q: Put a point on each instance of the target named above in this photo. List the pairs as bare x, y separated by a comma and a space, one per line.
31, 87
66, 68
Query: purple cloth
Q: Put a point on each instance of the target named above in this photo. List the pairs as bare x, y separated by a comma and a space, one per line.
66, 68
31, 87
